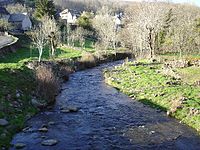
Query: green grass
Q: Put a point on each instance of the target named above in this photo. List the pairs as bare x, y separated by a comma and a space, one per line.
175, 56
88, 46
189, 75
25, 54
63, 53
15, 76
144, 83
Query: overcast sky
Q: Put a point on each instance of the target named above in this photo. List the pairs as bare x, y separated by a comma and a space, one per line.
197, 2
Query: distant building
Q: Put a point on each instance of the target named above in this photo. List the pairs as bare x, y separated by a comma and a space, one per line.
20, 21
69, 15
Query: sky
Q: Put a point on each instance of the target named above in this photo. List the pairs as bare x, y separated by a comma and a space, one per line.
196, 2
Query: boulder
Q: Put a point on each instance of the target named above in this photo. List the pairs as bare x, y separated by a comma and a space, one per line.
69, 109
44, 129
20, 145
37, 104
49, 142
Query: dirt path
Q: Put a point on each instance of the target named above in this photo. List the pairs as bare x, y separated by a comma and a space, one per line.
106, 119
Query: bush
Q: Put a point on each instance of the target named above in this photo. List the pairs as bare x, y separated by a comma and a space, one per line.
87, 60
65, 71
47, 84
178, 64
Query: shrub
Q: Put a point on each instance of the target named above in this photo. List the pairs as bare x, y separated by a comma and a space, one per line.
87, 60
65, 71
178, 64
177, 103
47, 84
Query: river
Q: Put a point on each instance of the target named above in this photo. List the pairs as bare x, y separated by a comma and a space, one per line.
106, 119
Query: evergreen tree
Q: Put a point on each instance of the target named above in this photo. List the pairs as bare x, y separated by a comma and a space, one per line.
45, 8
85, 20
167, 24
163, 36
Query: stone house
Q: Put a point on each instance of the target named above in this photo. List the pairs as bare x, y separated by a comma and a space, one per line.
21, 21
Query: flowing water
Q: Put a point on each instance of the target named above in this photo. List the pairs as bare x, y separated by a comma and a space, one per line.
107, 119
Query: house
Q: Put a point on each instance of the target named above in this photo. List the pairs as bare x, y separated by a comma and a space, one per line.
69, 15
3, 13
21, 21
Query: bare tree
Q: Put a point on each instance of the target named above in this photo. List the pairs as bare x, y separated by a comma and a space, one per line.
145, 20
184, 36
51, 32
160, 27
78, 35
39, 40
104, 24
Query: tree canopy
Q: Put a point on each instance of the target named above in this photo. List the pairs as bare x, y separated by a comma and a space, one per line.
45, 8
85, 20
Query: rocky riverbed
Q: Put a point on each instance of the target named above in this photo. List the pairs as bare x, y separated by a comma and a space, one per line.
88, 114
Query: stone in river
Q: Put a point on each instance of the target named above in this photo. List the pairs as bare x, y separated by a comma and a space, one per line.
49, 142
44, 129
20, 145
69, 109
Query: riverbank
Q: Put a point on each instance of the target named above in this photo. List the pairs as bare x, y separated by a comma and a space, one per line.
18, 96
18, 86
173, 90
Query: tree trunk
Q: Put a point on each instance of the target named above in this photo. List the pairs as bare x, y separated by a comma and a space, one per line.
114, 45
180, 52
52, 50
64, 35
40, 54
150, 42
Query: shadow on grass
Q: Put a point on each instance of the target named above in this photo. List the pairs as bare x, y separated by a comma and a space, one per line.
24, 54
151, 104
147, 64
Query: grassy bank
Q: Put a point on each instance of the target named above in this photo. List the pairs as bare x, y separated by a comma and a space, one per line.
149, 84
17, 86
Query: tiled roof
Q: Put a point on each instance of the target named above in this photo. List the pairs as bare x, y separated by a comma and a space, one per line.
16, 17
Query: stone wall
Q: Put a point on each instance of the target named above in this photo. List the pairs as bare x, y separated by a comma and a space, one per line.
11, 47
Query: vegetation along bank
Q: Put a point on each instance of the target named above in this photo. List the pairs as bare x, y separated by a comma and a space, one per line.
172, 86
